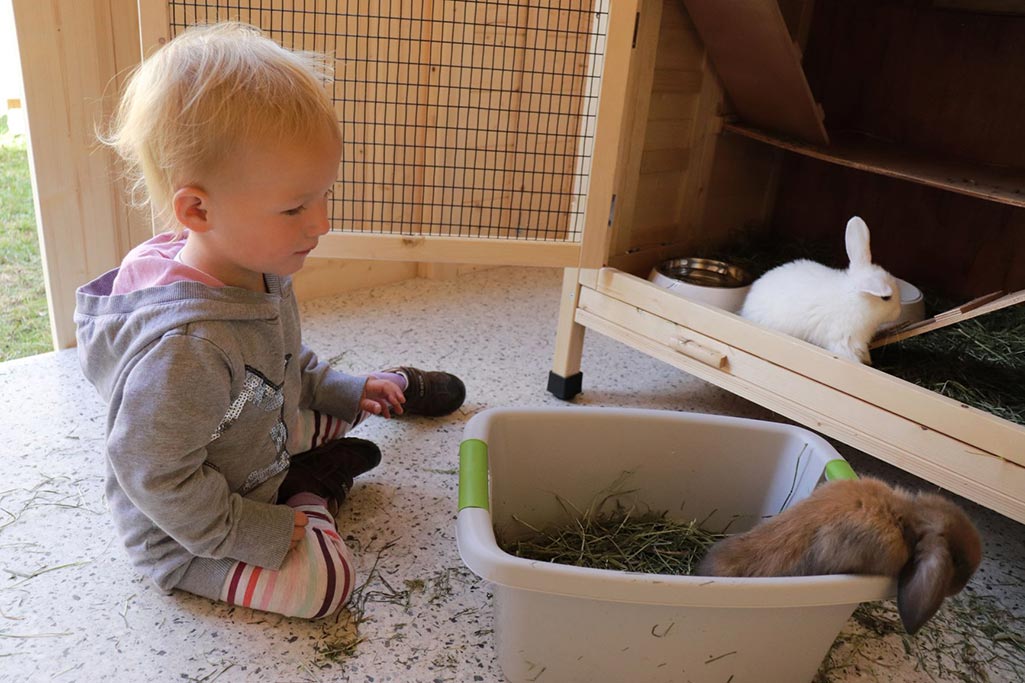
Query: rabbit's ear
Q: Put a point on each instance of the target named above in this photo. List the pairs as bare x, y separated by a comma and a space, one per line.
924, 581
874, 282
857, 242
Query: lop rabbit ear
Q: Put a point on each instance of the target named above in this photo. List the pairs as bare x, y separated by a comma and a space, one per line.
858, 250
924, 581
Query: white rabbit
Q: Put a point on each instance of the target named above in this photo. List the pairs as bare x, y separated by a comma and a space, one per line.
839, 310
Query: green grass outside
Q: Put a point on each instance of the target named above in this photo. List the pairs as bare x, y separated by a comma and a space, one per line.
24, 319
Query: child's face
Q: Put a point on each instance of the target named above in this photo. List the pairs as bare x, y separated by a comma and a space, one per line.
266, 210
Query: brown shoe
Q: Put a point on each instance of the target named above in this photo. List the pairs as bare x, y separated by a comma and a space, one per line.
431, 393
328, 470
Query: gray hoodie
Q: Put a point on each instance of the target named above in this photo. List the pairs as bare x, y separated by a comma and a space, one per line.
203, 385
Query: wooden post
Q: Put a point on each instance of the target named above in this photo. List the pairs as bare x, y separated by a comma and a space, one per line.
565, 378
71, 53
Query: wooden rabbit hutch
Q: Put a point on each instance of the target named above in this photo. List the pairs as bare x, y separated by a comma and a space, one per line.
606, 136
922, 103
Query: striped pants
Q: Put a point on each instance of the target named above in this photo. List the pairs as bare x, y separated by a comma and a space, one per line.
317, 576
315, 580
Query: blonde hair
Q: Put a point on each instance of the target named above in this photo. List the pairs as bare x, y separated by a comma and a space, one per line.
193, 103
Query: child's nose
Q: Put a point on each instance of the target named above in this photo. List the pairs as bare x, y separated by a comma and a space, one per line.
321, 222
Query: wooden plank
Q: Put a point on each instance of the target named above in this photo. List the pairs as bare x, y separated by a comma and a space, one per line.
671, 126
664, 160
441, 249
1005, 186
569, 335
68, 58
956, 466
693, 196
976, 307
656, 207
737, 190
636, 121
331, 277
425, 150
154, 25
970, 425
471, 186
555, 127
643, 257
588, 277
606, 161
759, 65
685, 81
134, 226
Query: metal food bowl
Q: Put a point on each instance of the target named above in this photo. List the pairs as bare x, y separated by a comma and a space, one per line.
709, 281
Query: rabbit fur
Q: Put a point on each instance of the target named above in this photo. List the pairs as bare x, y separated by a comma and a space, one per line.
862, 526
839, 310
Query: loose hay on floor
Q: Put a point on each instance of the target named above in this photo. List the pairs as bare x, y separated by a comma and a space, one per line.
973, 638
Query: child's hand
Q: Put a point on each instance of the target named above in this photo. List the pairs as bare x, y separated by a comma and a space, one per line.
381, 397
299, 529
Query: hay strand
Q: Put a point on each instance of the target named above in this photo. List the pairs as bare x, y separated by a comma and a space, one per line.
621, 538
978, 362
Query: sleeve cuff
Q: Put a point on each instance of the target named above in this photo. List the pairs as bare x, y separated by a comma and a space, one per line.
339, 395
268, 532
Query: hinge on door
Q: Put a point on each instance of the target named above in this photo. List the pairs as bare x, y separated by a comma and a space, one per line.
637, 23
612, 210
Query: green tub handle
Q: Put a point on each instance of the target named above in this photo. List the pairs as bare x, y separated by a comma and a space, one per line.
839, 469
473, 474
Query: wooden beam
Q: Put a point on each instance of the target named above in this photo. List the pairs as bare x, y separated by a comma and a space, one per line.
924, 407
759, 65
995, 184
440, 249
975, 307
957, 466
618, 75
70, 57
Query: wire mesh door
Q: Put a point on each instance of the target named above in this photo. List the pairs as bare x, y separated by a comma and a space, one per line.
462, 120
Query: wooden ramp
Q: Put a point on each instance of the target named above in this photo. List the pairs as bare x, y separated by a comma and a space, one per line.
759, 65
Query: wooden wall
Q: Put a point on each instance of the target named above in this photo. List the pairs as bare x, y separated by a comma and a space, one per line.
945, 243
676, 105
931, 81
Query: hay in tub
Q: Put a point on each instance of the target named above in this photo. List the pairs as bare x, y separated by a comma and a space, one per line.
611, 535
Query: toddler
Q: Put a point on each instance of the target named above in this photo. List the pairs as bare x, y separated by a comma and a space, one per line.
226, 455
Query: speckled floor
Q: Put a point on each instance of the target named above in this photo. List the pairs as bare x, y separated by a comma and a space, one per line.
71, 608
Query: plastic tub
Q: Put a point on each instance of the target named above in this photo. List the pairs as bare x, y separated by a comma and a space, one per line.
561, 623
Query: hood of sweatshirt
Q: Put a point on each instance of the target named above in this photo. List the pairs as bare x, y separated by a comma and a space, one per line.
113, 329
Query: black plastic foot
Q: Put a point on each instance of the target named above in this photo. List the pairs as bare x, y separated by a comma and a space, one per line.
565, 388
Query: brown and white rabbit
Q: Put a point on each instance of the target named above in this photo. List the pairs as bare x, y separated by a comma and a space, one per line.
862, 526
839, 310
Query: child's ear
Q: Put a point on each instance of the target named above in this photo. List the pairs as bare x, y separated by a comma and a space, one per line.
190, 208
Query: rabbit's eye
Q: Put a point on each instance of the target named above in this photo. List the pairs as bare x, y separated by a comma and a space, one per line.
886, 298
